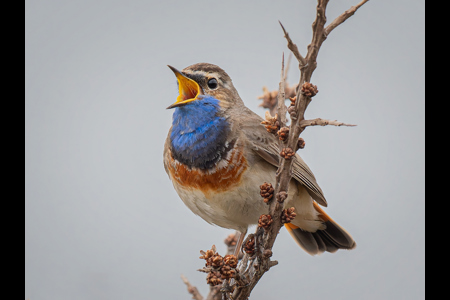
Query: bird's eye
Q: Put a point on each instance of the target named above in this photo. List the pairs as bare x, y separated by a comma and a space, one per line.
212, 83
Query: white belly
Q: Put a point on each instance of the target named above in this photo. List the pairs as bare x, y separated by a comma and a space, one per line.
238, 207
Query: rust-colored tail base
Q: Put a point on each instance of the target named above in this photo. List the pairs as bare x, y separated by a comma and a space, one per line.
332, 238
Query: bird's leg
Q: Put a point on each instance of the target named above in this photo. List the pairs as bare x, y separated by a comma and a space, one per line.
239, 243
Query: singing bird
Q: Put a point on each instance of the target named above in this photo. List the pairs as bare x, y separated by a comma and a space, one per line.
217, 154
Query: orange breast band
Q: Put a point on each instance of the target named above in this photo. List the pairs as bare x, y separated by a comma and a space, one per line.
218, 179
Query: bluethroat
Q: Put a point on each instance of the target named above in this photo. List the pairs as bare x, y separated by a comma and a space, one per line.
217, 155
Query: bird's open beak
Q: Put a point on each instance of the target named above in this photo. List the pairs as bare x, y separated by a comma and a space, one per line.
189, 89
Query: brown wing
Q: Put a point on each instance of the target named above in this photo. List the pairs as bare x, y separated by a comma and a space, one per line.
266, 146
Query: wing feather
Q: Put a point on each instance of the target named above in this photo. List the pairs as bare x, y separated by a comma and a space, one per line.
266, 146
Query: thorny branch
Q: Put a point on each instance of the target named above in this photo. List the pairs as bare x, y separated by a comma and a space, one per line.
192, 289
322, 122
344, 16
258, 246
294, 49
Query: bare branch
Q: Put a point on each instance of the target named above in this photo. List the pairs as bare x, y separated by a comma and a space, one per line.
317, 39
281, 108
293, 47
192, 289
273, 263
344, 16
322, 122
214, 293
286, 71
205, 269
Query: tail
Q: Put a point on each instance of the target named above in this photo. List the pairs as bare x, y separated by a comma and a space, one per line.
330, 239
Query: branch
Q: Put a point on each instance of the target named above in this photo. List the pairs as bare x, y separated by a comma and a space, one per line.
293, 47
322, 122
281, 107
344, 16
286, 70
192, 289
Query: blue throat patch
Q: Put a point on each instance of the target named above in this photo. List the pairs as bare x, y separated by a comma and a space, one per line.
199, 133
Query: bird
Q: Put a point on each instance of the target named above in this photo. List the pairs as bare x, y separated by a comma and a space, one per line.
217, 154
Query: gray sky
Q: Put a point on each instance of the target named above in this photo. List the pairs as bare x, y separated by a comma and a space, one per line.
102, 218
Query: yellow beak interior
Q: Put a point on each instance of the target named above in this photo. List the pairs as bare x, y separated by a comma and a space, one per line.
188, 89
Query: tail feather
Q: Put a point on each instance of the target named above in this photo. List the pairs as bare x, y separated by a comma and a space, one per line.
321, 245
330, 239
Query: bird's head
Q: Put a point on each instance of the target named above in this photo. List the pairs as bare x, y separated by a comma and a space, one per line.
202, 81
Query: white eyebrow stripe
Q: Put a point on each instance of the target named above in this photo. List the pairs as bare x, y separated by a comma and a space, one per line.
208, 74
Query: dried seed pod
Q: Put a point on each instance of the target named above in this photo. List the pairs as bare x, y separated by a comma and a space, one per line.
206, 255
269, 99
214, 278
287, 153
216, 261
266, 191
310, 90
227, 272
281, 196
291, 110
265, 221
231, 240
230, 260
301, 143
270, 123
288, 215
283, 133
249, 246
293, 99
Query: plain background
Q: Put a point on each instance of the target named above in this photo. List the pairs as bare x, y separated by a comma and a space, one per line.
102, 218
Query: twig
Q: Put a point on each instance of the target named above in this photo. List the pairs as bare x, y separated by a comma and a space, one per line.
286, 70
273, 263
322, 122
344, 16
214, 293
192, 289
281, 107
293, 47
